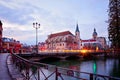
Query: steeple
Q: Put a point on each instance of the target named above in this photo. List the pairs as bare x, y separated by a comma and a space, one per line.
94, 34
77, 28
77, 33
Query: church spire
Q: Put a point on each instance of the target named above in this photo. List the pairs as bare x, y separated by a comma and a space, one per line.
77, 36
77, 28
94, 34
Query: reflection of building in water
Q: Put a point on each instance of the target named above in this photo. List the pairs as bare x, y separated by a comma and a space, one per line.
94, 43
95, 67
77, 74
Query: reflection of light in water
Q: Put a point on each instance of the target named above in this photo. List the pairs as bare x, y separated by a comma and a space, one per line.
94, 67
73, 67
103, 67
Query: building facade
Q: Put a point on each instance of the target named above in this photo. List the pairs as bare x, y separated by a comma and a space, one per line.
42, 46
64, 40
95, 42
10, 45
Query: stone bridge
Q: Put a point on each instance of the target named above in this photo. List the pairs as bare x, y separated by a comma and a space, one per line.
60, 55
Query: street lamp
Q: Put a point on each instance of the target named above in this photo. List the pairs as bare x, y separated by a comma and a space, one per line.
36, 26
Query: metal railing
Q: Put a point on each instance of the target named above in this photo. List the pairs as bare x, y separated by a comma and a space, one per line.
40, 71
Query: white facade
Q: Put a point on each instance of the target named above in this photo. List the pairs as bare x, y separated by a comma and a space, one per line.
95, 41
62, 41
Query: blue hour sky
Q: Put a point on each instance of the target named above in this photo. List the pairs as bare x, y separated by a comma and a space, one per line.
54, 16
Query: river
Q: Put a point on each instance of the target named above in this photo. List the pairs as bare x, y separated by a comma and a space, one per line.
103, 66
109, 66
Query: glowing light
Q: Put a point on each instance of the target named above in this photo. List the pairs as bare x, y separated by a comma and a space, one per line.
97, 48
84, 51
94, 67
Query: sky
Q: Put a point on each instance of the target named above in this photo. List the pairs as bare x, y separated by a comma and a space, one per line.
54, 16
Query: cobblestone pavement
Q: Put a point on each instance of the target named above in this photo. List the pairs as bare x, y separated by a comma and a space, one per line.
4, 73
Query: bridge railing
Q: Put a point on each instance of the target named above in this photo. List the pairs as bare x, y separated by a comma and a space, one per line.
40, 71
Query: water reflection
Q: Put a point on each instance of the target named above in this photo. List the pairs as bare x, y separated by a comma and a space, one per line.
110, 67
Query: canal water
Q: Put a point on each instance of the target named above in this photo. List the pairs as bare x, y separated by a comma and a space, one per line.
108, 67
103, 66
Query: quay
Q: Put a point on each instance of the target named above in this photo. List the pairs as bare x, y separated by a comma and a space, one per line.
8, 71
4, 73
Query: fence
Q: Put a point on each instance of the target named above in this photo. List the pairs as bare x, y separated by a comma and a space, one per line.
40, 71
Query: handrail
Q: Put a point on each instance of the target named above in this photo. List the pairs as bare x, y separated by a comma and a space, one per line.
21, 62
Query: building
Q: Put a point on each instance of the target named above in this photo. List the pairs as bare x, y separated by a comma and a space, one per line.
1, 29
42, 46
95, 42
91, 44
64, 40
94, 34
10, 45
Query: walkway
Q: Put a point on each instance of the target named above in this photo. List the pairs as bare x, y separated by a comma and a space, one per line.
4, 74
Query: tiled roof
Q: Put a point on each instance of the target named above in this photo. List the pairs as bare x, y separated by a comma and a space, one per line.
60, 34
89, 40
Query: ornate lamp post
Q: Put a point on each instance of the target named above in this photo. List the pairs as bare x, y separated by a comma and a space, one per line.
36, 26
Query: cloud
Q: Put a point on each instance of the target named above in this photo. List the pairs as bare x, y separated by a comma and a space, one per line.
54, 16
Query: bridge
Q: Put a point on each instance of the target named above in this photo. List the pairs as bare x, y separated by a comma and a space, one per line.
64, 55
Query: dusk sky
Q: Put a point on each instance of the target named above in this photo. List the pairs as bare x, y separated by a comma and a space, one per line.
54, 16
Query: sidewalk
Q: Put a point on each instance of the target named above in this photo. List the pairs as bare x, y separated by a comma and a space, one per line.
4, 73
13, 71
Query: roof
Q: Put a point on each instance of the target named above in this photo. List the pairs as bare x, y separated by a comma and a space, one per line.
89, 40
77, 28
60, 34
94, 33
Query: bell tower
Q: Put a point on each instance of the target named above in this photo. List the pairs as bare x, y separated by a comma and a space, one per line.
77, 32
77, 36
94, 34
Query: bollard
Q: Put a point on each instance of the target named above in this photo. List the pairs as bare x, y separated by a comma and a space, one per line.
56, 71
27, 72
91, 76
38, 73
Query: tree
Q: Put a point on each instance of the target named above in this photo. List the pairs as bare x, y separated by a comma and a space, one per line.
114, 23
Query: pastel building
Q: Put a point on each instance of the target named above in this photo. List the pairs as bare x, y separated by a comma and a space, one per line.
10, 45
64, 40
95, 42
